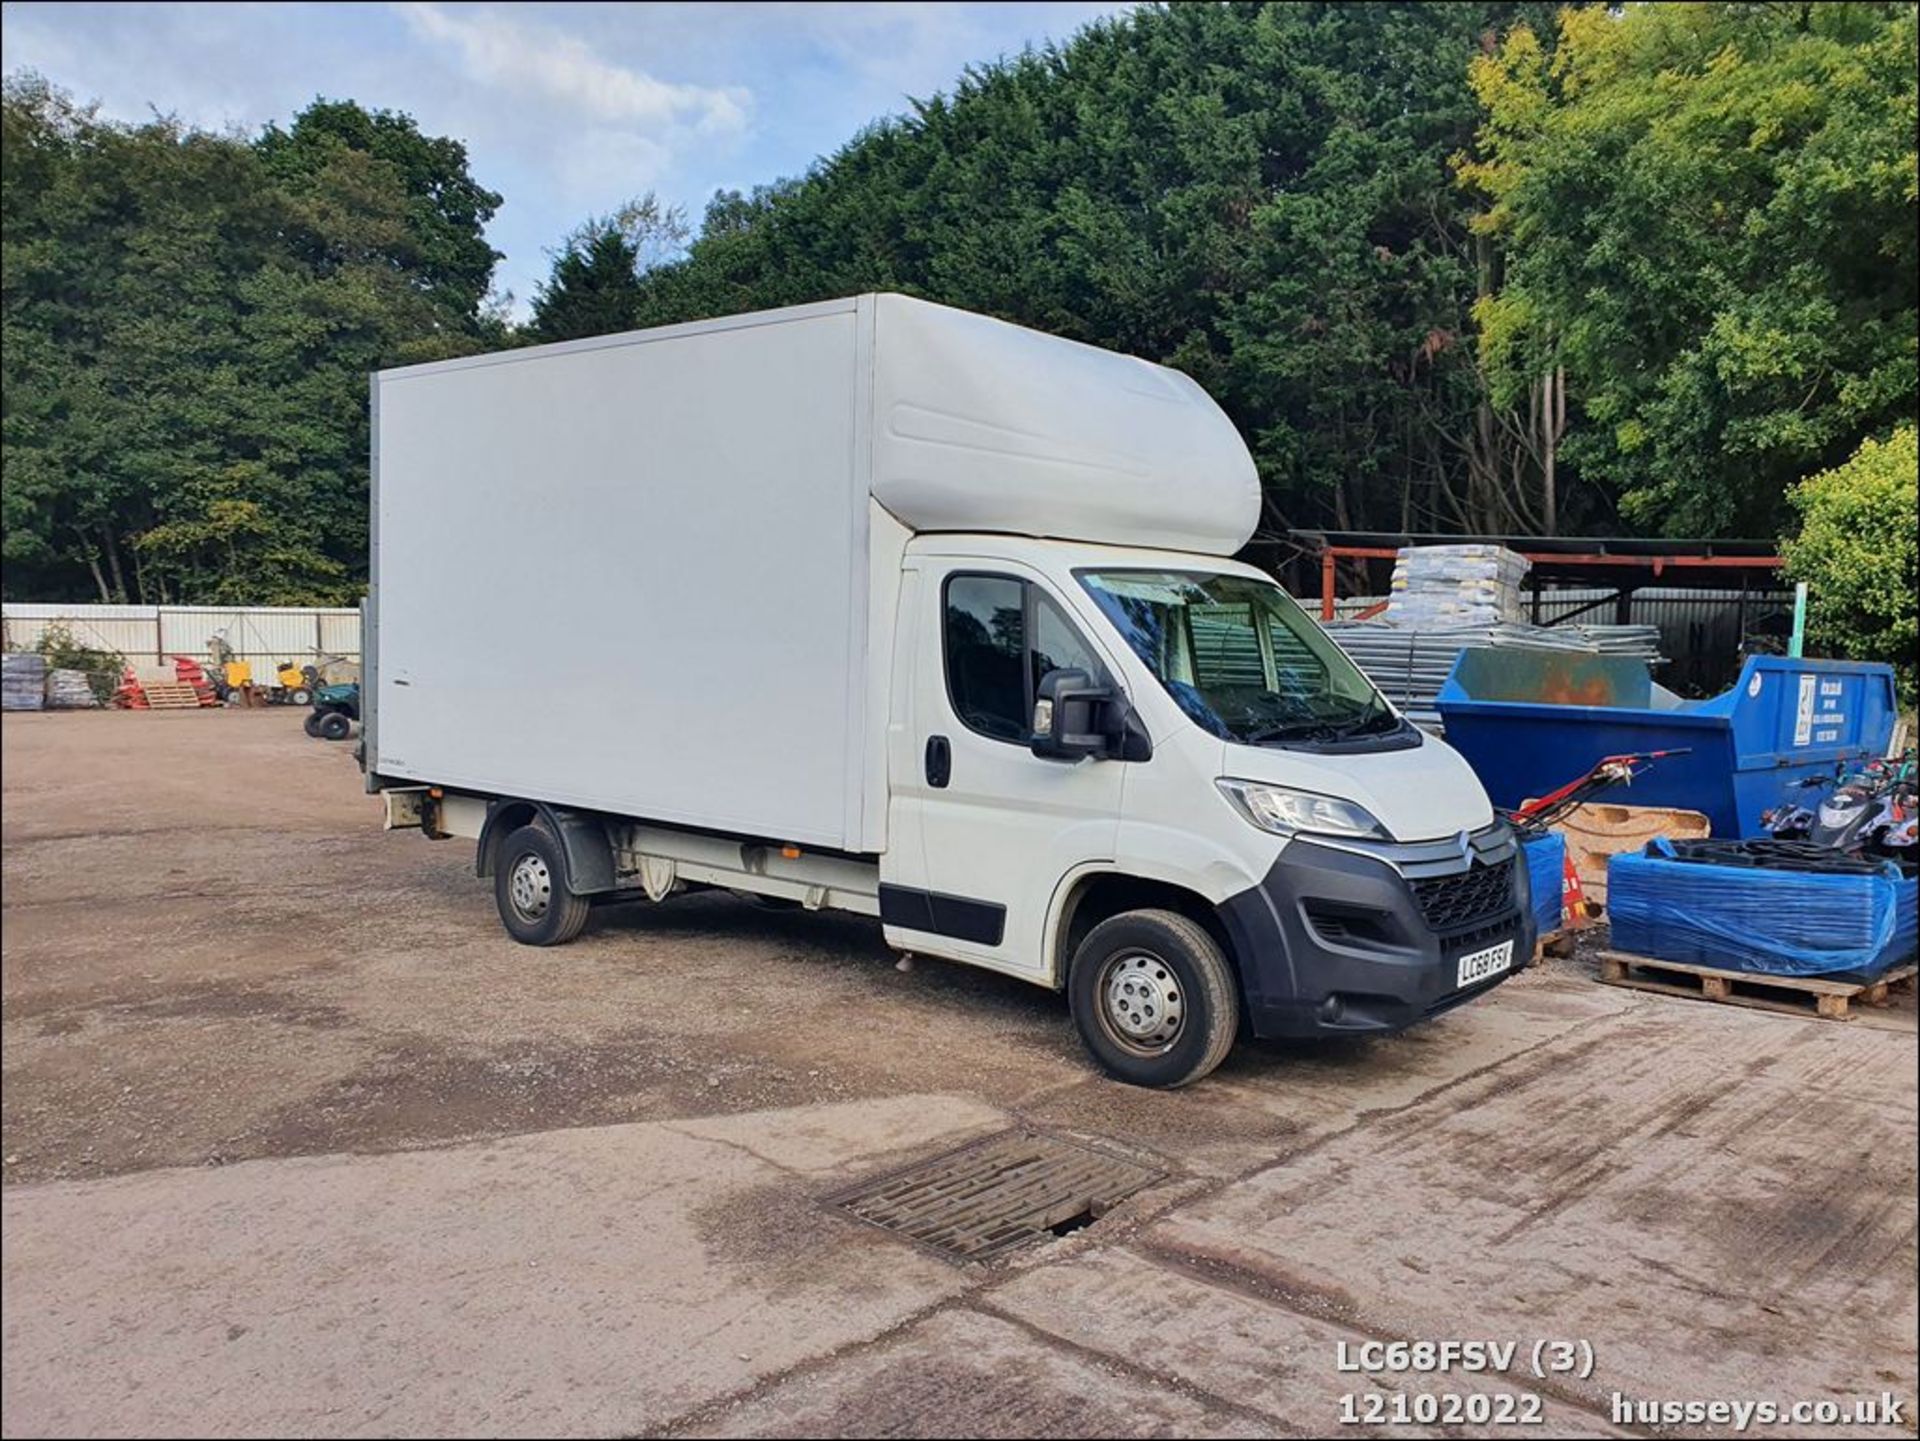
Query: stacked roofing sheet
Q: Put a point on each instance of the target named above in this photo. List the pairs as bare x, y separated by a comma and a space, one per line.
1456, 585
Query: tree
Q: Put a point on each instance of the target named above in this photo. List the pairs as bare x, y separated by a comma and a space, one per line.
1706, 215
443, 215
121, 251
1857, 552
187, 332
1257, 194
594, 288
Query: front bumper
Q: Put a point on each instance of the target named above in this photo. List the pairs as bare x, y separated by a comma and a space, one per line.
1344, 938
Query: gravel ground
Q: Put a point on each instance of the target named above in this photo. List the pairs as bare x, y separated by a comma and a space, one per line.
245, 1031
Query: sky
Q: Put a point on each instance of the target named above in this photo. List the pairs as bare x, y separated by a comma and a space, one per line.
568, 110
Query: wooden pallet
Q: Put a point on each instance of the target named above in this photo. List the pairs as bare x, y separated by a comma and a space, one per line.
1599, 830
1791, 995
1559, 944
179, 696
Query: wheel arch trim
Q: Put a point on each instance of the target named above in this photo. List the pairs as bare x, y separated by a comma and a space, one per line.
583, 839
1072, 887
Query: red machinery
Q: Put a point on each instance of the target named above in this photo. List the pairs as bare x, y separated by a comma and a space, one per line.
1607, 772
1543, 811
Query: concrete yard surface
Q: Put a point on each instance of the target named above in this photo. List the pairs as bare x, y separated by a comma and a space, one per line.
298, 1142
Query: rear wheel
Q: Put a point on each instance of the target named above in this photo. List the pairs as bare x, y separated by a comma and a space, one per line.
530, 888
312, 724
335, 726
1153, 998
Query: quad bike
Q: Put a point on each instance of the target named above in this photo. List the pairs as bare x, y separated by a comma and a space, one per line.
335, 709
1871, 812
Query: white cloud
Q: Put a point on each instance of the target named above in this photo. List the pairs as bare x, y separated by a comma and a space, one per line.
902, 48
606, 166
568, 109
559, 68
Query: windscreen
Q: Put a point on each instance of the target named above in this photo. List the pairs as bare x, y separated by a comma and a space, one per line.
1240, 657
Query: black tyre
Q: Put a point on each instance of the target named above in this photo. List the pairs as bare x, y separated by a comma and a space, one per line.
1153, 998
335, 726
299, 695
312, 724
530, 888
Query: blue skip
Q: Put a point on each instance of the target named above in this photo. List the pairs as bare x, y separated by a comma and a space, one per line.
1529, 721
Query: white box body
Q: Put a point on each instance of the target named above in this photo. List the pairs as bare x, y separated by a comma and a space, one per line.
653, 574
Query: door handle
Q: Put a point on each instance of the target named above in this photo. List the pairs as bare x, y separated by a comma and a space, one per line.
939, 762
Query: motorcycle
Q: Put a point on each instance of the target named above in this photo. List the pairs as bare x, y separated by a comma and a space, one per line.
1871, 812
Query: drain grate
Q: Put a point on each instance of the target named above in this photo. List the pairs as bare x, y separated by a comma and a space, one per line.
997, 1194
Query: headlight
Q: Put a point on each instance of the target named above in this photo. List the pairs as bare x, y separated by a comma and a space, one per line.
1284, 811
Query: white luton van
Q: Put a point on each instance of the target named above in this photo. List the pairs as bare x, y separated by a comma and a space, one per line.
885, 607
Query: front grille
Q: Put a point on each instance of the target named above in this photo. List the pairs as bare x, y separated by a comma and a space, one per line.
1487, 935
1454, 903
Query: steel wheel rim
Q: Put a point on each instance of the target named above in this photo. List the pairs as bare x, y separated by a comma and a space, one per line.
530, 887
1142, 1005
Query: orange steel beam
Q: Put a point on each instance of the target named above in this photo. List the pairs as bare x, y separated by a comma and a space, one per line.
1658, 564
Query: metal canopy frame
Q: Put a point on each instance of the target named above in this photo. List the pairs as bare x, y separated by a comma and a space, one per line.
1605, 561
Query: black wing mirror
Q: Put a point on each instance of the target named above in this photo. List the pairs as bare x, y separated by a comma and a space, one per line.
1073, 717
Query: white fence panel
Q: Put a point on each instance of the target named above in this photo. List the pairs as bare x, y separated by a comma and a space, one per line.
264, 636
130, 630
340, 633
277, 634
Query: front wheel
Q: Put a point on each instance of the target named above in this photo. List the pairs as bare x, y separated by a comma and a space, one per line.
1153, 998
312, 724
530, 888
335, 726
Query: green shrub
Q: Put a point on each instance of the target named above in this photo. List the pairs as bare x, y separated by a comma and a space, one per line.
64, 652
1856, 551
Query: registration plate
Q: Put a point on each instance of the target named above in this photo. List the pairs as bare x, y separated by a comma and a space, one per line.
1478, 965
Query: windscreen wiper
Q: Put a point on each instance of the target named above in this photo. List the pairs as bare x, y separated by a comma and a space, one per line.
1291, 730
1363, 724
1322, 729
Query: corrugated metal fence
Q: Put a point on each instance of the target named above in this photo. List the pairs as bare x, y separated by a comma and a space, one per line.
264, 636
1703, 633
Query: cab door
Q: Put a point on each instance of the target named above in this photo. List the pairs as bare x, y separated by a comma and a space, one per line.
998, 826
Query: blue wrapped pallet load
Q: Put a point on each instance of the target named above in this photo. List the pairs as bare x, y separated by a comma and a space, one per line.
1546, 853
1528, 721
1769, 922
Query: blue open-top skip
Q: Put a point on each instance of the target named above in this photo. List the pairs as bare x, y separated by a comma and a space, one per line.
1528, 721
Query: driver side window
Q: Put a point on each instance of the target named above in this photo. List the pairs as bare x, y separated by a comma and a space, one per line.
1002, 636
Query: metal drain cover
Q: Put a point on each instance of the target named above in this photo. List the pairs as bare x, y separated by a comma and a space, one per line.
997, 1194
